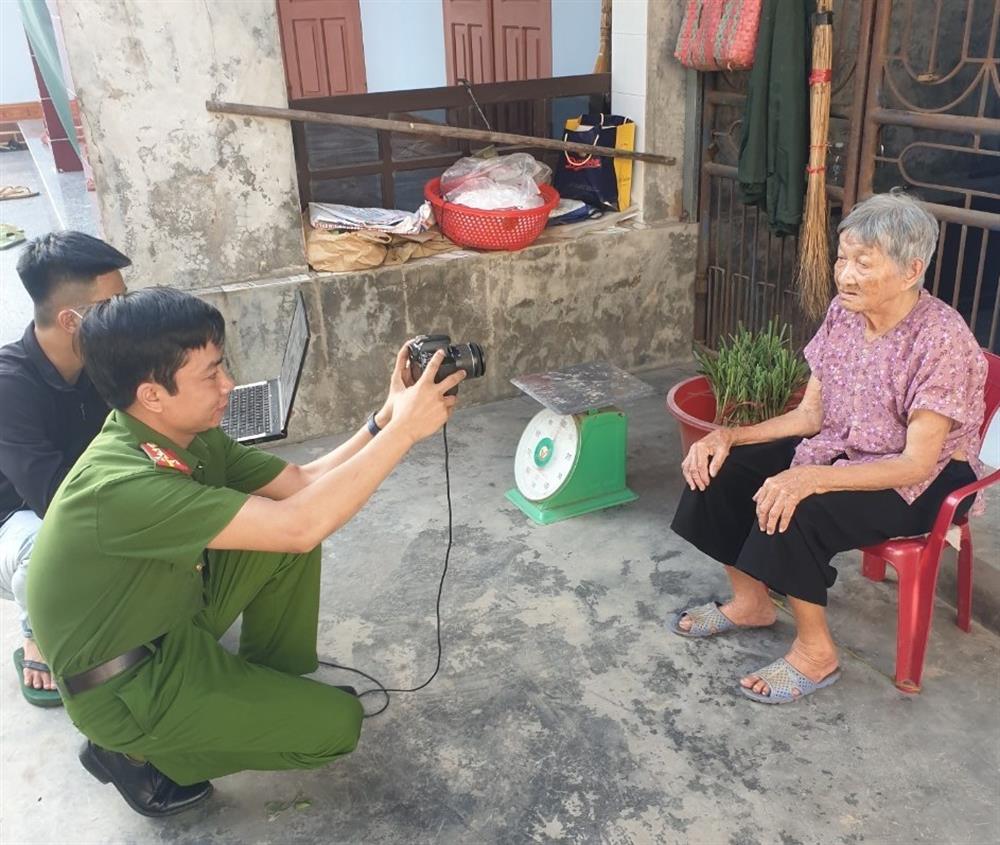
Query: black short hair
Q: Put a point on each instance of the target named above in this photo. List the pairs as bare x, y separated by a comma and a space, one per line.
143, 336
60, 258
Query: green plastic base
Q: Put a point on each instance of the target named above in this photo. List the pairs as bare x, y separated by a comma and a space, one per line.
547, 515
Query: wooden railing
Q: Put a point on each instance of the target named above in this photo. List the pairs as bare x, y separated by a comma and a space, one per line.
367, 167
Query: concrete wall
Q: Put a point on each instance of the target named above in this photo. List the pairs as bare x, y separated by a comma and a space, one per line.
209, 204
17, 77
660, 189
194, 198
624, 296
649, 85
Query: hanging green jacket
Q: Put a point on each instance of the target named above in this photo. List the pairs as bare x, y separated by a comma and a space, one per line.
774, 146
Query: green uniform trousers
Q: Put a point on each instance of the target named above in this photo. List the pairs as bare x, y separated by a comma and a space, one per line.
196, 711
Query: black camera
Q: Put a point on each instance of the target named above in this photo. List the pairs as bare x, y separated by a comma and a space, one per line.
460, 356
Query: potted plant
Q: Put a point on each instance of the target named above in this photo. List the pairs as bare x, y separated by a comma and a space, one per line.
754, 376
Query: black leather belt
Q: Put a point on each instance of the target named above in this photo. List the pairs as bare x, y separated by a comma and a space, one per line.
104, 672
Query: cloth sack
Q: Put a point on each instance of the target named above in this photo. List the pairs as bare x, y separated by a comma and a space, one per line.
597, 180
718, 34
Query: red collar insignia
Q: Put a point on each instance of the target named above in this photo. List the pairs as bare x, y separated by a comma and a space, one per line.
164, 458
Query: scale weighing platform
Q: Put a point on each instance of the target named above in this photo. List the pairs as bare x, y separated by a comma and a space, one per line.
571, 457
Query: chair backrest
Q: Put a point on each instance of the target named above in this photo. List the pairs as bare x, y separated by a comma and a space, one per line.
992, 389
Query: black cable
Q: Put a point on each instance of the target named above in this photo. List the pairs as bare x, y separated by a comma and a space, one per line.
379, 686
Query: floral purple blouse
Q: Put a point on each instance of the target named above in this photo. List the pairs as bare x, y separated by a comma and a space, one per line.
930, 360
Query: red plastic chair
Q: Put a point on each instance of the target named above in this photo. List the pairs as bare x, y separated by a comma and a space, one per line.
918, 559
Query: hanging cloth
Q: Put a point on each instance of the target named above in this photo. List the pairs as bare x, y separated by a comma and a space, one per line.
41, 33
774, 145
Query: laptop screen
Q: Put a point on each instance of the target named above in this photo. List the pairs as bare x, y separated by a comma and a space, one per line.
295, 350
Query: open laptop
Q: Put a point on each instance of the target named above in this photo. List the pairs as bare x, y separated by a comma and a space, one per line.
259, 411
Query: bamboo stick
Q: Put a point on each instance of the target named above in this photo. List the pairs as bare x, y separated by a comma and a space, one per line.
431, 129
815, 274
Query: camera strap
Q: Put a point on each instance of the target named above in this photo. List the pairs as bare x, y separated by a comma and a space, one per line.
379, 687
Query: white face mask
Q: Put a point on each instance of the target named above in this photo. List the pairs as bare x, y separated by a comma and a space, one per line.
79, 314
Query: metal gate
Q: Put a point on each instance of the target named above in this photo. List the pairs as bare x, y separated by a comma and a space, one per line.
915, 102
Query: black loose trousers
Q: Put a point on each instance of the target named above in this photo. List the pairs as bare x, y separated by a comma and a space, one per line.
721, 521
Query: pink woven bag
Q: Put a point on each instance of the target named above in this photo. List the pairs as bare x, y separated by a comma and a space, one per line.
719, 34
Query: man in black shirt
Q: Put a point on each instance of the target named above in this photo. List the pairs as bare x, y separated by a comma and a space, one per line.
49, 410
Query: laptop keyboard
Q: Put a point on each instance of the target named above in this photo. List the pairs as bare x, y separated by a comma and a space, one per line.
249, 411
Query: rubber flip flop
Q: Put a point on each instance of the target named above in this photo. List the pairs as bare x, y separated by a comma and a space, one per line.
10, 236
783, 678
16, 192
38, 697
706, 621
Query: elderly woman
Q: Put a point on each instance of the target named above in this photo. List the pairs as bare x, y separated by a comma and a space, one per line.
888, 427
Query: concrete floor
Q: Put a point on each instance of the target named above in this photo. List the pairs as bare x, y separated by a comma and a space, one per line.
564, 711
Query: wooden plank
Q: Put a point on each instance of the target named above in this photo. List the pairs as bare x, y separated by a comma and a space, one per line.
13, 112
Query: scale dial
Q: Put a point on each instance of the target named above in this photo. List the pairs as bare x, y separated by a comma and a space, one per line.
546, 454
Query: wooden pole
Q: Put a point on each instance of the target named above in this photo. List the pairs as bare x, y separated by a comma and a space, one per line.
432, 129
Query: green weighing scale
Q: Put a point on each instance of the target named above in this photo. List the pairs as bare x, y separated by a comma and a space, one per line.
571, 457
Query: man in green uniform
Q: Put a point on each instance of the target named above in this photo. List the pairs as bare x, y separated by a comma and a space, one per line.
165, 531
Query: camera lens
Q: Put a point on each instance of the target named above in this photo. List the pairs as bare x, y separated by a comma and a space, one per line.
469, 357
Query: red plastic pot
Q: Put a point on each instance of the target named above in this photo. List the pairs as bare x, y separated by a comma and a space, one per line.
692, 403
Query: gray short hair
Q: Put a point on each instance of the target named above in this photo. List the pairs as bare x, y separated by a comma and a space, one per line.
897, 224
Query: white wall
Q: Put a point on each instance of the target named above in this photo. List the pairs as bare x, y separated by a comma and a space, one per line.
576, 34
404, 44
628, 63
17, 77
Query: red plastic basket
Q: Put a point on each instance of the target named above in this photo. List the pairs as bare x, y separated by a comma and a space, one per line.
506, 229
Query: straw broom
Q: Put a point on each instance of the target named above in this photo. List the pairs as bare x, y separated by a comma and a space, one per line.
603, 62
815, 276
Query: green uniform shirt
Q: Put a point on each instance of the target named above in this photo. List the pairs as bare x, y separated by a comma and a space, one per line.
117, 561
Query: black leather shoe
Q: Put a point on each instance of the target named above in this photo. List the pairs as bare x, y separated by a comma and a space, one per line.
145, 789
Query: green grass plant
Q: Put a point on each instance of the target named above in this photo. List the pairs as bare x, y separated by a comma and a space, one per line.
753, 375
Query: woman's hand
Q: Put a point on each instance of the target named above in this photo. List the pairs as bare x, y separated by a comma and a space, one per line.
399, 381
780, 495
705, 458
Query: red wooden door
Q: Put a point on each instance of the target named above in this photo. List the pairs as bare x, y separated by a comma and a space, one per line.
522, 39
498, 40
324, 53
468, 40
